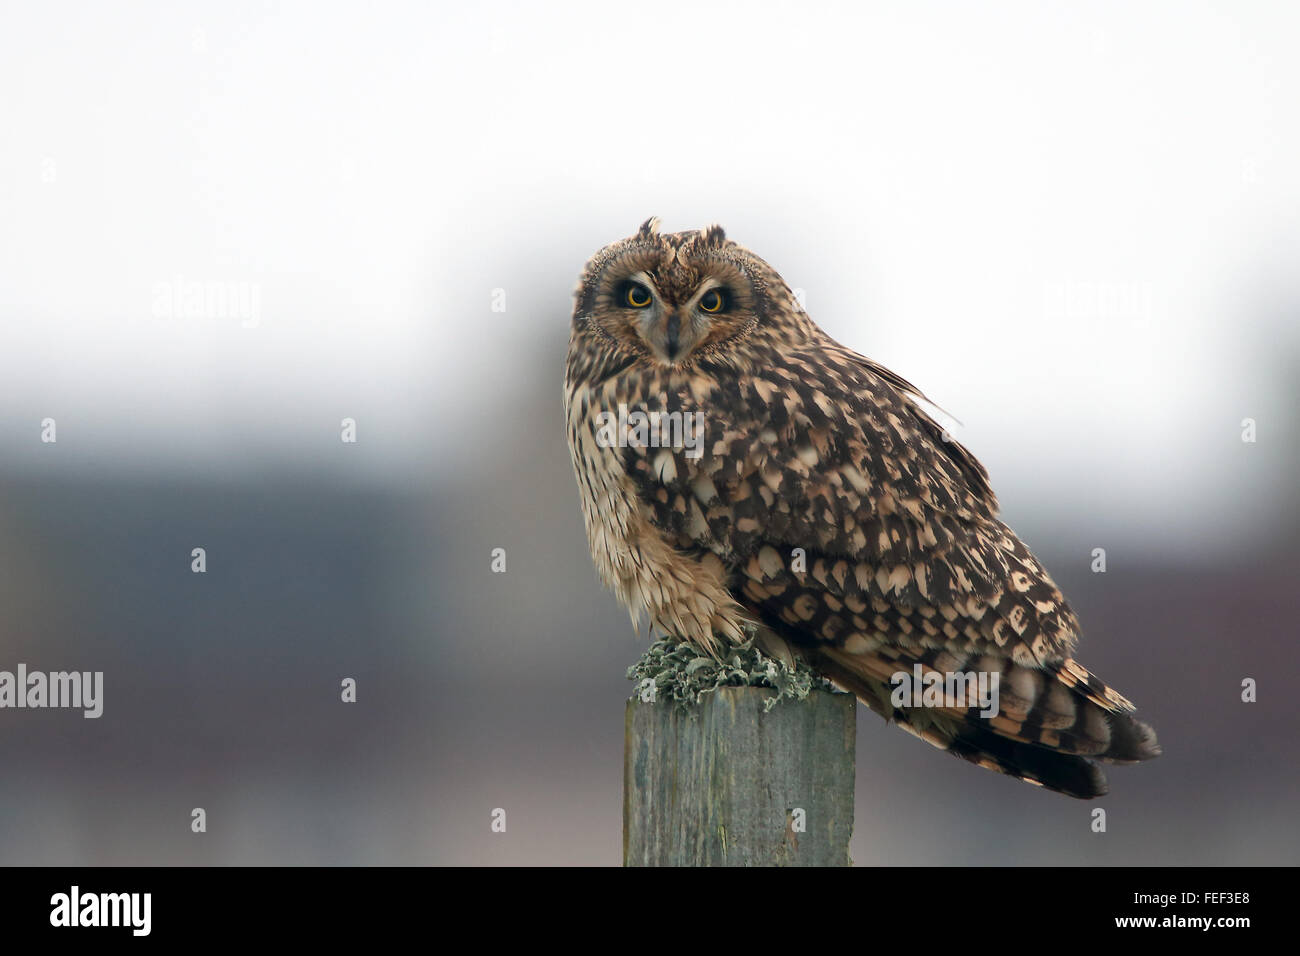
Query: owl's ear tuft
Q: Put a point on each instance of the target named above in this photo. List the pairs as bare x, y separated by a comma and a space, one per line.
714, 235
648, 228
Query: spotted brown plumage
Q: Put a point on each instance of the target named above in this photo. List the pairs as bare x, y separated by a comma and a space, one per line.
817, 503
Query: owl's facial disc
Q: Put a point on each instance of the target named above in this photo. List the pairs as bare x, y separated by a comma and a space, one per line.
672, 299
671, 331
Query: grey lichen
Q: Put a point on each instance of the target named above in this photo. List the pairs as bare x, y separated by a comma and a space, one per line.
677, 671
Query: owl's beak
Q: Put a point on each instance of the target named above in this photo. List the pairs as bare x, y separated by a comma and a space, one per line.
673, 328
666, 334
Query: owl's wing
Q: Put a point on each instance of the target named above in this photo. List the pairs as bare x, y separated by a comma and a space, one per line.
829, 453
857, 529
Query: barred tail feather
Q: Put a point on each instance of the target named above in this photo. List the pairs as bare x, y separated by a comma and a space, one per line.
1051, 728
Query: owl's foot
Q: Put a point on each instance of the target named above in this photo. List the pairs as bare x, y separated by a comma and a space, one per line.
672, 669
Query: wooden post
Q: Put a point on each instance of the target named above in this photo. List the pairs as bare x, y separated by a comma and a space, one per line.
725, 784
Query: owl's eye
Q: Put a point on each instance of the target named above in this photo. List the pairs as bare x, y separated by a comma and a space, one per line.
636, 295
713, 301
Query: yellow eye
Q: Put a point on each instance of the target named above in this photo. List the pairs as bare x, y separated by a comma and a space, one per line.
713, 301
637, 296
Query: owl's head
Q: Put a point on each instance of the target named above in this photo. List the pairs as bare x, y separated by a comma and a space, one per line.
676, 297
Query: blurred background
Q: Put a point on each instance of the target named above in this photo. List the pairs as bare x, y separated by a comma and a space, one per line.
227, 227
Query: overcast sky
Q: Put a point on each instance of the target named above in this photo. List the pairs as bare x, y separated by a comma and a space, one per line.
224, 227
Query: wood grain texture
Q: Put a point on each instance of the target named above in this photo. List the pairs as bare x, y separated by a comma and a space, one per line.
719, 784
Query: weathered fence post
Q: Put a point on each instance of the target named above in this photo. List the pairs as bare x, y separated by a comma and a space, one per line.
725, 784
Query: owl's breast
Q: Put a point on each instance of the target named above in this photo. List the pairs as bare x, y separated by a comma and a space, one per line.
634, 555
607, 497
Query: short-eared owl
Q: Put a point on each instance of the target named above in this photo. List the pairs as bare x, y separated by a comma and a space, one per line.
741, 472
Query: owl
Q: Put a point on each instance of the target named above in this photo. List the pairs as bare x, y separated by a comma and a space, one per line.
743, 476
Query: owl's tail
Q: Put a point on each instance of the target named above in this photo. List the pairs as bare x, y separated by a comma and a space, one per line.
1045, 726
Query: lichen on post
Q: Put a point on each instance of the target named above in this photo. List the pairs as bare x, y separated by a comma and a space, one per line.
740, 762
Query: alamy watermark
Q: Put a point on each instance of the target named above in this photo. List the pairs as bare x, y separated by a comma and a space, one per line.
76, 908
960, 689
1099, 300
639, 429
183, 298
79, 690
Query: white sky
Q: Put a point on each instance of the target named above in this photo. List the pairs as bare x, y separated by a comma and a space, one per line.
937, 176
